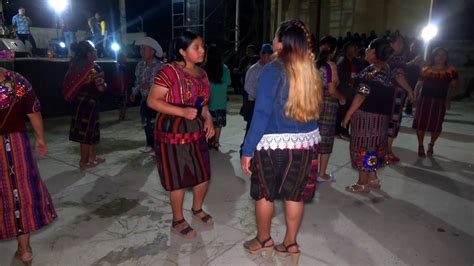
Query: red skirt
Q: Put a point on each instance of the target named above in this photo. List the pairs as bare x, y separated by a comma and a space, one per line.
25, 204
182, 153
429, 114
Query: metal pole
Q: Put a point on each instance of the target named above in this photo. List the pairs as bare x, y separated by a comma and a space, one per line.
123, 21
237, 25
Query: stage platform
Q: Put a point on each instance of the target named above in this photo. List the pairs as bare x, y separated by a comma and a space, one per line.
47, 75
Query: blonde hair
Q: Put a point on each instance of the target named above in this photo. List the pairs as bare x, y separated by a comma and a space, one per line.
305, 93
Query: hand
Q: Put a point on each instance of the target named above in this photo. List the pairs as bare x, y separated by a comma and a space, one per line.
132, 98
342, 101
189, 113
40, 147
209, 128
345, 122
411, 97
448, 105
245, 164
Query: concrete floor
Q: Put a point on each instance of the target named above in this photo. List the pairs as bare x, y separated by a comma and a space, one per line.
118, 213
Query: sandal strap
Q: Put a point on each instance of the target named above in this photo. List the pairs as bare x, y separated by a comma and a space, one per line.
176, 223
186, 230
206, 218
290, 245
262, 243
197, 211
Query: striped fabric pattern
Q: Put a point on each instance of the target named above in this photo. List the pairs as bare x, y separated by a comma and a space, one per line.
429, 114
327, 124
397, 111
85, 126
368, 140
25, 203
181, 165
288, 174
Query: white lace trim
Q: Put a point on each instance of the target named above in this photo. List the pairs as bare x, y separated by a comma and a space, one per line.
290, 141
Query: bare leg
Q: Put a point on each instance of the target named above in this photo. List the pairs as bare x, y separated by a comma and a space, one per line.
217, 134
264, 214
85, 148
24, 252
199, 193
389, 145
177, 198
323, 165
434, 137
294, 214
421, 136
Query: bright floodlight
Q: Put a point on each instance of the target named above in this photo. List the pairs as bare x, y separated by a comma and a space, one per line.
58, 5
115, 47
62, 45
429, 32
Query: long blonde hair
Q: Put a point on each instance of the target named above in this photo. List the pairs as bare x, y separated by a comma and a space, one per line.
305, 93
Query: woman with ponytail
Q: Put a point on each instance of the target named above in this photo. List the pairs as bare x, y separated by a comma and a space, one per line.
283, 138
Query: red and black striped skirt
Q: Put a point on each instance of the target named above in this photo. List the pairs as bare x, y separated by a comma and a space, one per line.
182, 153
429, 114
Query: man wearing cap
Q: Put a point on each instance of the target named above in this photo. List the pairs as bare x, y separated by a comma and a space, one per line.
145, 72
251, 82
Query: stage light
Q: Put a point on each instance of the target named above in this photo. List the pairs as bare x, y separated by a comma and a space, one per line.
115, 47
429, 32
58, 5
62, 45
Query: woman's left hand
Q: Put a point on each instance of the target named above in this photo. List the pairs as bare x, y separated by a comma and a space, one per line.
209, 128
345, 122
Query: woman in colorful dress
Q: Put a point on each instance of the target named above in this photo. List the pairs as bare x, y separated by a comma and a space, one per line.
331, 98
219, 78
433, 91
369, 116
83, 84
283, 138
25, 203
403, 90
180, 95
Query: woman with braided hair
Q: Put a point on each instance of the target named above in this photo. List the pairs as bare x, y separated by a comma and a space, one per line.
283, 138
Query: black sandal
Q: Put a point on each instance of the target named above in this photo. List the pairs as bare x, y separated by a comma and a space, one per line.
295, 256
204, 219
268, 250
185, 232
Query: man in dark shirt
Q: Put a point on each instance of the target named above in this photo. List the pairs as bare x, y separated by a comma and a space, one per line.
245, 63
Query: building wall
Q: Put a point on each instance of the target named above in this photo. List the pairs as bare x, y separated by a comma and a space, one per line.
339, 16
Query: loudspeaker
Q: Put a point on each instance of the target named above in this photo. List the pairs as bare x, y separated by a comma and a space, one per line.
14, 45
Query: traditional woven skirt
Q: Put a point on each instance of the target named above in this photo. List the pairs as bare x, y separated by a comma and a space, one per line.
182, 153
219, 118
368, 145
284, 173
25, 204
429, 114
85, 126
327, 124
397, 111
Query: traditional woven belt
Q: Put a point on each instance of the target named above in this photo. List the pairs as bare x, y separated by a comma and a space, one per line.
179, 138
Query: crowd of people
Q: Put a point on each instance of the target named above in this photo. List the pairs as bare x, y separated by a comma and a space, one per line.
299, 97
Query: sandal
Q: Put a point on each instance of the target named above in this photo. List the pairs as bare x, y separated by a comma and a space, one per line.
267, 250
98, 160
421, 151
393, 158
89, 164
374, 183
429, 152
358, 188
187, 232
26, 256
284, 252
216, 145
330, 178
207, 219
